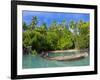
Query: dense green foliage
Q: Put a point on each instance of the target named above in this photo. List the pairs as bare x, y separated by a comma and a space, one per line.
62, 36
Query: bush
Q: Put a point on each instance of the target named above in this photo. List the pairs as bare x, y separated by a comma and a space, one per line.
34, 52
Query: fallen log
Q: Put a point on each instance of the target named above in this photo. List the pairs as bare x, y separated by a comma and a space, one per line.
71, 57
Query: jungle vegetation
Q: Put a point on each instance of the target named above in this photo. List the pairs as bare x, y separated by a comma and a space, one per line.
57, 36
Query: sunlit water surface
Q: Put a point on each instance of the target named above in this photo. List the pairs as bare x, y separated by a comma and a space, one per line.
30, 61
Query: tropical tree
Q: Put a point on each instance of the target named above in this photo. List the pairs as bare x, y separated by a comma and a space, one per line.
34, 22
53, 25
83, 37
25, 27
74, 30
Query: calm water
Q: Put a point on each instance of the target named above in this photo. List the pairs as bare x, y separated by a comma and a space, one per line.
30, 61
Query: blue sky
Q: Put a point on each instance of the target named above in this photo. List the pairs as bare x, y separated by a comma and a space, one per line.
49, 17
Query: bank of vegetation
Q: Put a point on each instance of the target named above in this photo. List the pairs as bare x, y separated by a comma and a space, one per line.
56, 36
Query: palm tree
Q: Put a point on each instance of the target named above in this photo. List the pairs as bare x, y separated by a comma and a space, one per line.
74, 28
53, 25
34, 22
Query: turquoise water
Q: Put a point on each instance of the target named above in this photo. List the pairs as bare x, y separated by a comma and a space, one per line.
30, 61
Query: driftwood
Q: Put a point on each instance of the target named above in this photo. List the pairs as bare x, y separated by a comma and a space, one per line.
71, 57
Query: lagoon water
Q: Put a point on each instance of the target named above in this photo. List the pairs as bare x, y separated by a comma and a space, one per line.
30, 61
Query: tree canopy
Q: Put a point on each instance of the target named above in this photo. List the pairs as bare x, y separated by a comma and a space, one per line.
57, 36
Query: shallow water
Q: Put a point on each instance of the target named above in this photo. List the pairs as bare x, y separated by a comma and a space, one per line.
30, 61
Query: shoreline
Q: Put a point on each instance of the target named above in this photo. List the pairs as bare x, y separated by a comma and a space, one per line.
70, 50
67, 58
